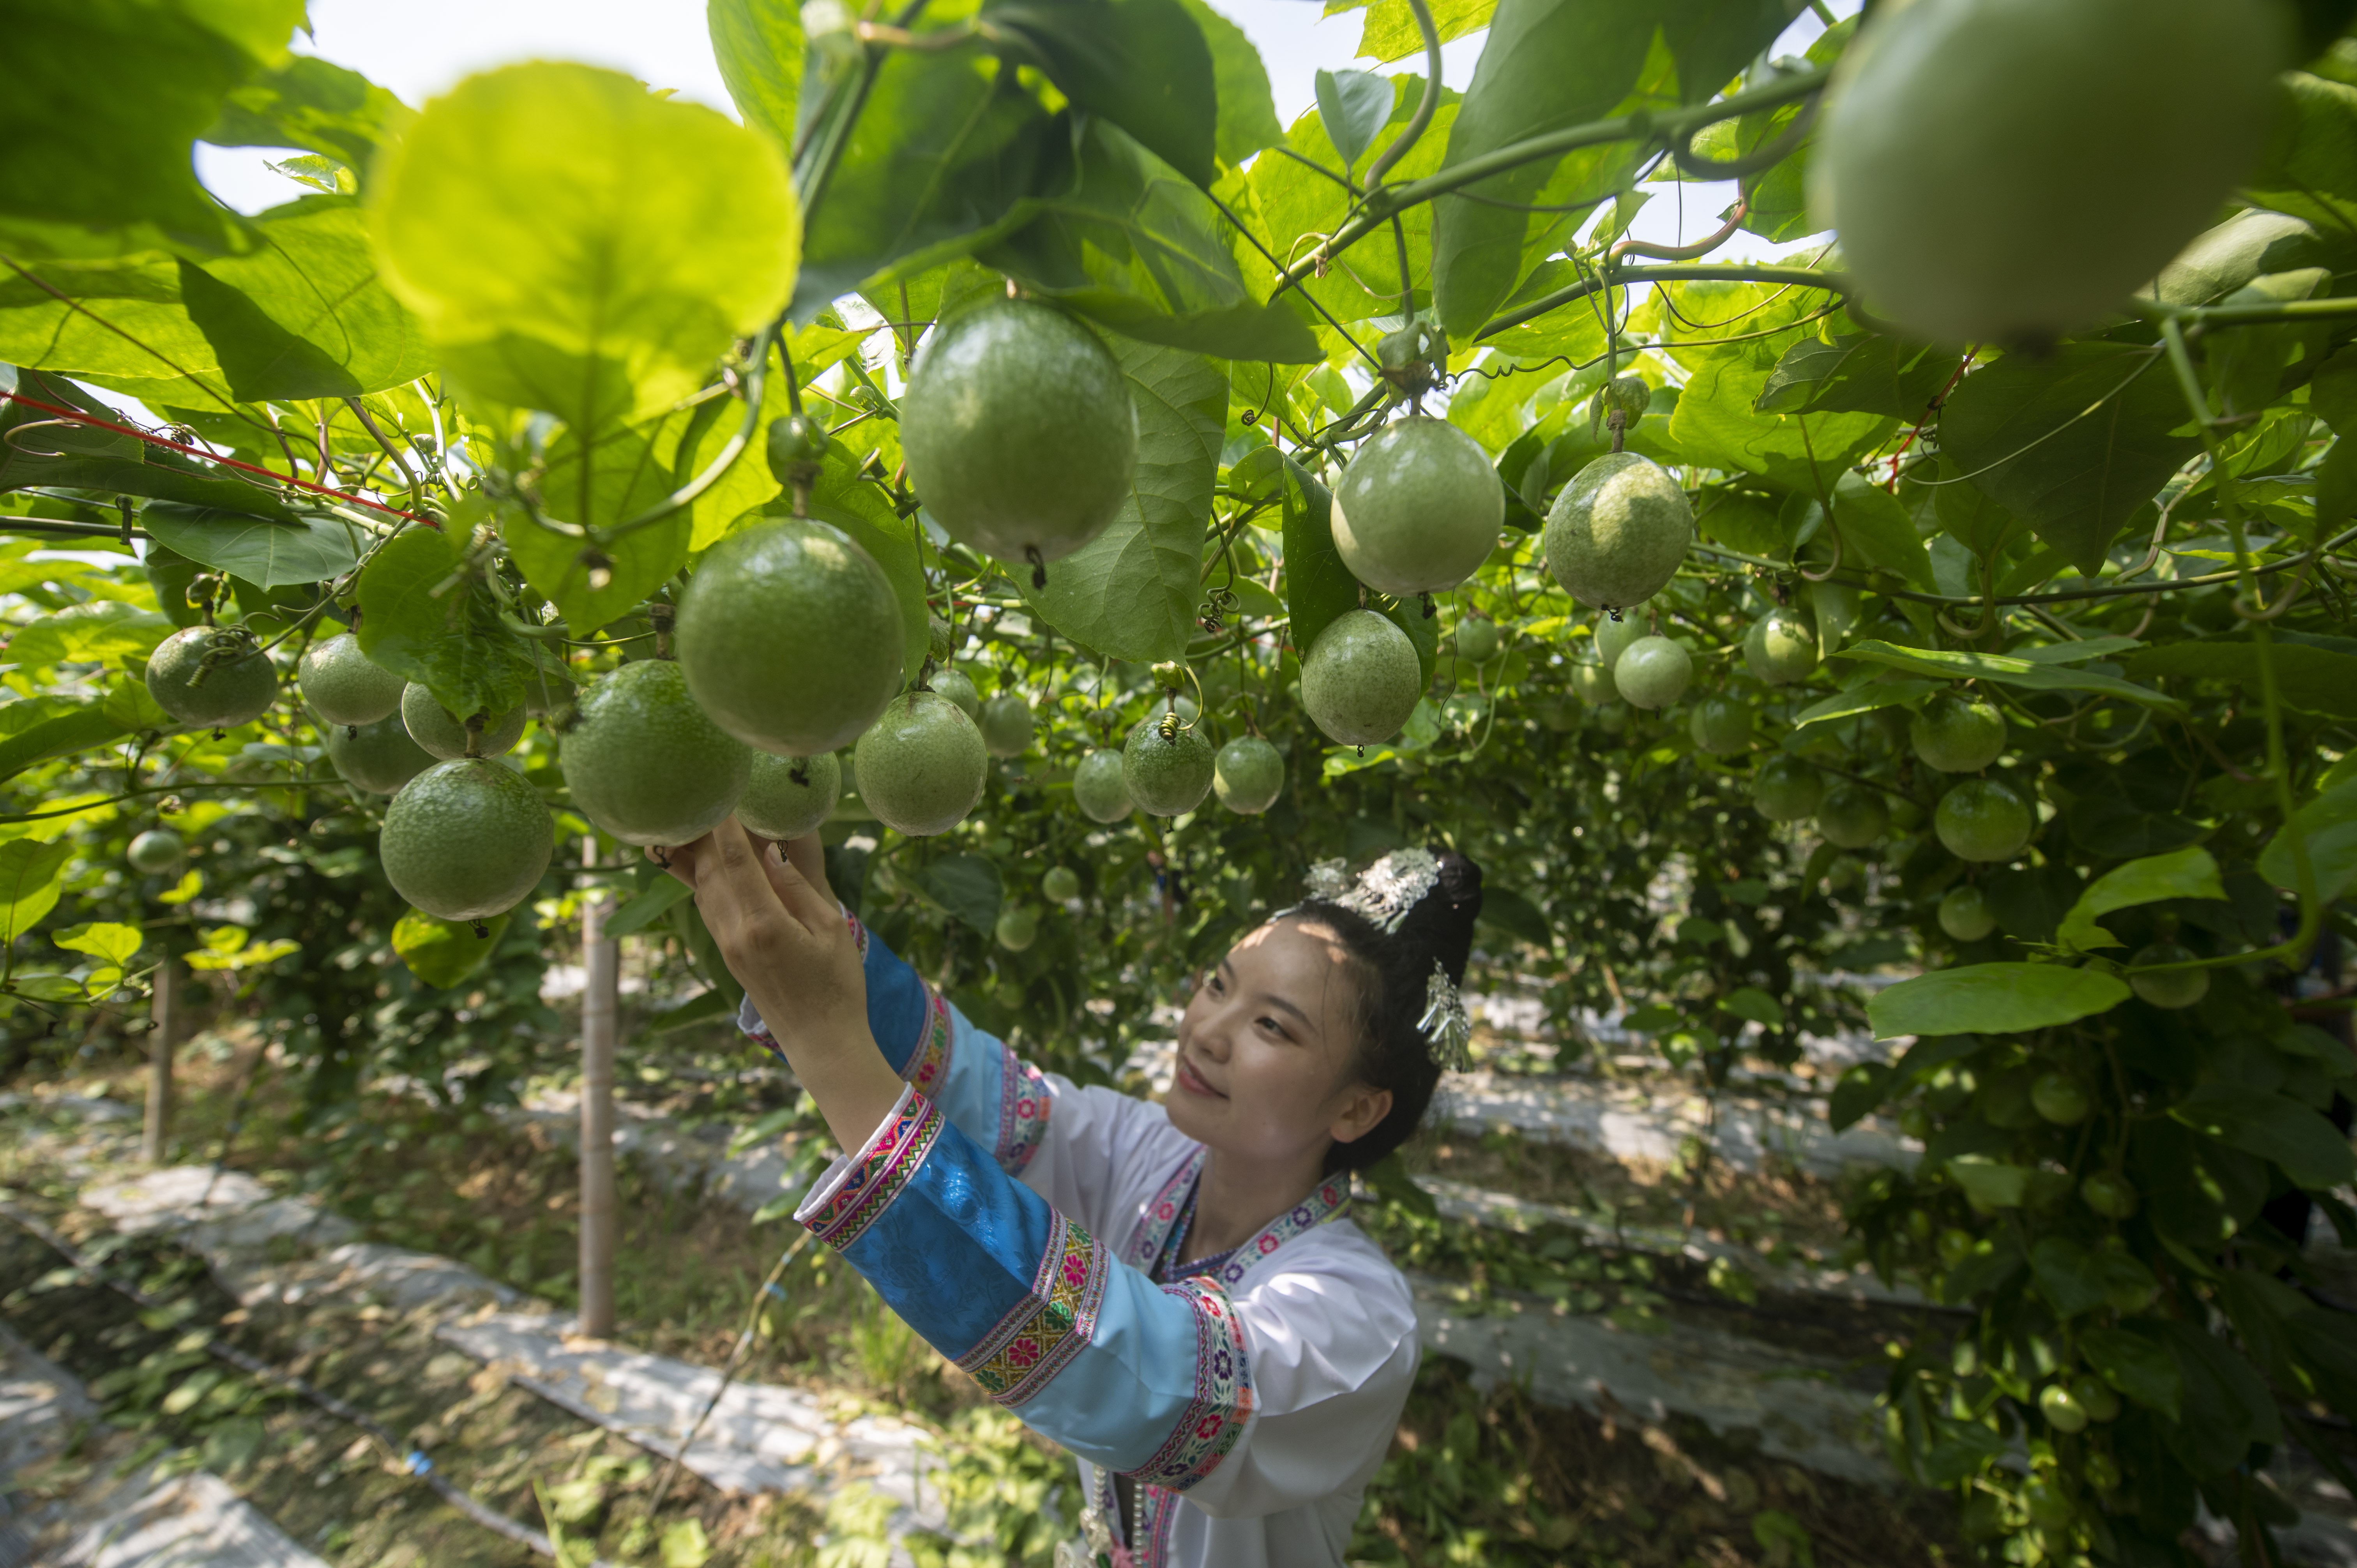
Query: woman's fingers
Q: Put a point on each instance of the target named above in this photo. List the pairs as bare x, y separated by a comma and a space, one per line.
678, 860
808, 855
800, 878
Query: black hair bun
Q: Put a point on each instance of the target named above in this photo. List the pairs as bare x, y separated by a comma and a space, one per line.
1441, 924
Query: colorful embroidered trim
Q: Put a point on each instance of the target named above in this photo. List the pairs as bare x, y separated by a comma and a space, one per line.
888, 1163
769, 1042
1154, 1225
1320, 1207
1158, 1513
1046, 1328
1023, 1106
929, 1064
858, 931
1215, 1418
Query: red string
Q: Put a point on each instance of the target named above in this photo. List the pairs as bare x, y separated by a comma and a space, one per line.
79, 417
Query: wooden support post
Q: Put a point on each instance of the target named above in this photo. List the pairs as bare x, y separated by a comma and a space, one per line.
601, 961
159, 1069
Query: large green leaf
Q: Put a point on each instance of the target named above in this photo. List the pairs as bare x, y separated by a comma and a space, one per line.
1992, 999
2327, 825
2228, 1406
2321, 679
118, 322
1547, 65
1714, 40
2132, 1363
1247, 112
302, 315
2311, 1150
573, 242
1857, 373
262, 552
1123, 238
102, 631
83, 457
2030, 674
102, 99
30, 880
1132, 591
2073, 442
2187, 873
946, 144
597, 484
448, 641
1318, 586
305, 102
967, 885
759, 46
1877, 531
79, 728
1390, 31
2308, 172
1142, 65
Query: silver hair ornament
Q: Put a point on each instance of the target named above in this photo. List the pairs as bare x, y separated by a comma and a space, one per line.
1394, 885
1328, 879
1445, 1024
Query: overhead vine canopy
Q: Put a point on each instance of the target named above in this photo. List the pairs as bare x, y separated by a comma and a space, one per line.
1959, 585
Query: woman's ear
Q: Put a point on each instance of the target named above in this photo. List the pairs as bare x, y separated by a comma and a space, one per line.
1362, 1110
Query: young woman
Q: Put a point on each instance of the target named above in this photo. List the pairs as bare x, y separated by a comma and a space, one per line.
1170, 1291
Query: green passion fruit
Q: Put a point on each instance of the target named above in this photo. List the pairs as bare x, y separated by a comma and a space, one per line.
789, 636
644, 763
1616, 534
1781, 647
1100, 787
1249, 774
379, 757
1168, 774
2110, 1196
1721, 725
1418, 508
2061, 1409
1018, 928
921, 766
1019, 430
1006, 726
2060, 1098
465, 840
1938, 160
1477, 639
1361, 681
1593, 684
1957, 735
1654, 673
1614, 633
1966, 914
1060, 882
2174, 988
1787, 789
441, 732
787, 797
345, 686
155, 851
211, 677
958, 687
1853, 816
1982, 820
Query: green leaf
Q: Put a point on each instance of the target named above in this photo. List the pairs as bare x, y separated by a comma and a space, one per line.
2307, 173
1864, 699
1992, 999
117, 322
1514, 914
1856, 1092
1318, 586
945, 144
2132, 1363
31, 877
2187, 873
452, 643
1352, 105
2072, 442
2311, 1151
1131, 592
1714, 40
1994, 1184
1947, 665
573, 242
1751, 1002
117, 944
599, 483
267, 554
2075, 1279
305, 102
2227, 1405
646, 906
303, 313
2197, 1190
759, 46
864, 512
1142, 65
88, 457
1121, 237
2319, 680
966, 885
78, 729
102, 631
2327, 825
1390, 31
1858, 373
1877, 528
1247, 112
442, 952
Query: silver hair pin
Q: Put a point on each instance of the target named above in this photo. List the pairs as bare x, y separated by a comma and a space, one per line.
1445, 1024
1328, 879
1394, 885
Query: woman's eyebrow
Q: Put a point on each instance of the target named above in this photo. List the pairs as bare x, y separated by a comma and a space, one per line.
1273, 1000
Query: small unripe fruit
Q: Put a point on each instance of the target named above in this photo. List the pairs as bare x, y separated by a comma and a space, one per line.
1477, 639
1062, 882
922, 766
1852, 816
2109, 1195
1168, 774
776, 804
377, 757
940, 639
1418, 508
1018, 928
465, 840
2061, 1409
1956, 735
1360, 679
1099, 788
644, 763
795, 441
951, 683
440, 732
1249, 775
1593, 682
1006, 724
1654, 673
1786, 789
343, 685
1781, 647
1721, 725
169, 575
2060, 1098
2096, 1398
211, 677
1964, 914
157, 849
1982, 820
2174, 988
1616, 534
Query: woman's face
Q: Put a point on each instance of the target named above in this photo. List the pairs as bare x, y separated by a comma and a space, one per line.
1268, 1049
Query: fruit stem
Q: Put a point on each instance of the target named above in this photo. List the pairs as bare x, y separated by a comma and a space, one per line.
1038, 566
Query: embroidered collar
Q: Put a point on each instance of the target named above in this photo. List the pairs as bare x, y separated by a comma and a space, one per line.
1174, 1201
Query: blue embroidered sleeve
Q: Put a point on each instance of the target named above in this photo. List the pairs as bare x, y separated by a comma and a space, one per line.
992, 1095
1146, 1381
